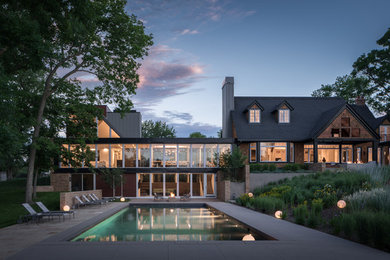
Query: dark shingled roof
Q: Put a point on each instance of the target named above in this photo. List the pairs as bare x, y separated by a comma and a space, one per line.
366, 115
310, 115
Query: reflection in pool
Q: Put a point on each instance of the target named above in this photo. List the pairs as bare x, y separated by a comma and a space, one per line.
139, 223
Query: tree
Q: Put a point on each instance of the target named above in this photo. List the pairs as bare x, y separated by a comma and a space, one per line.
231, 163
219, 133
157, 129
370, 79
197, 135
81, 36
375, 66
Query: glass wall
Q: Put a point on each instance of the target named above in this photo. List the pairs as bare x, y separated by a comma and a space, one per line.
273, 152
130, 155
210, 184
171, 155
211, 150
328, 153
144, 185
197, 156
103, 157
346, 153
309, 153
116, 156
369, 151
224, 148
157, 184
143, 155
252, 152
157, 155
91, 156
170, 184
184, 184
197, 184
184, 155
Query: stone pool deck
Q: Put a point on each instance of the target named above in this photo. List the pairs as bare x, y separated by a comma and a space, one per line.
293, 241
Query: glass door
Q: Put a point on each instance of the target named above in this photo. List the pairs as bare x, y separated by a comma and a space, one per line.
210, 184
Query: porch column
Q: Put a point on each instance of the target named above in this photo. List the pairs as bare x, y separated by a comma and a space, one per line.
315, 151
375, 151
340, 153
288, 152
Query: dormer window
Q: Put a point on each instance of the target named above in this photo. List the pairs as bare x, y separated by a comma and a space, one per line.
284, 116
254, 115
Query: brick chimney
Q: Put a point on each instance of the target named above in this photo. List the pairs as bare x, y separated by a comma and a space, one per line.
227, 106
360, 101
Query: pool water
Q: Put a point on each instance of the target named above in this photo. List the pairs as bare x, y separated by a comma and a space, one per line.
152, 223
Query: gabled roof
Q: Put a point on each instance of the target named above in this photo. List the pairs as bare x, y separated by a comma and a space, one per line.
252, 104
284, 103
379, 120
308, 113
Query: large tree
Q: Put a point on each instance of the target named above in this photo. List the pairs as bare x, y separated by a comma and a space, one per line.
370, 79
81, 36
197, 135
157, 129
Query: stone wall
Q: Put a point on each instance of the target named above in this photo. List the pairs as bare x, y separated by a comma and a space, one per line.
46, 188
67, 198
61, 181
262, 179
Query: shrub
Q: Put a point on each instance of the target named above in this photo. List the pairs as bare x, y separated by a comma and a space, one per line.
316, 206
244, 200
300, 214
313, 220
268, 204
376, 200
291, 167
327, 194
277, 191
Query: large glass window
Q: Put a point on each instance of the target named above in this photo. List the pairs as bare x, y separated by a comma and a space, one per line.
359, 154
252, 152
254, 115
224, 148
103, 155
211, 151
143, 155
384, 131
284, 116
346, 153
309, 153
144, 184
210, 184
273, 152
170, 184
197, 184
91, 156
87, 181
157, 155
197, 156
170, 155
116, 156
184, 184
369, 151
157, 184
105, 131
328, 153
184, 155
130, 155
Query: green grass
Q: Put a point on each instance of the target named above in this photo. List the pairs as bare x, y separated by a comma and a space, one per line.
12, 196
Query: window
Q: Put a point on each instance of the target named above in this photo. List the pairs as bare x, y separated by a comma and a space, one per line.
328, 153
345, 122
309, 153
355, 132
105, 131
273, 152
197, 156
184, 155
254, 115
384, 131
116, 156
252, 152
369, 151
359, 154
284, 116
346, 153
143, 155
291, 152
335, 132
211, 150
345, 132
103, 155
157, 155
170, 155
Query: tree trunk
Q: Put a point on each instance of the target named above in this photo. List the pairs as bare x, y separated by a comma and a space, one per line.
10, 174
33, 149
35, 183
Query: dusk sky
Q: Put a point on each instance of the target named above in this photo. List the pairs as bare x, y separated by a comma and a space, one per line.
272, 48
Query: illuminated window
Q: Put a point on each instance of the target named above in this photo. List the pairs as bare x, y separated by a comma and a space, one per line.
309, 153
291, 152
369, 151
273, 152
384, 131
328, 153
253, 152
284, 116
254, 115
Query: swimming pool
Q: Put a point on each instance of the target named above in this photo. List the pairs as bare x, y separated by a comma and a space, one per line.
169, 223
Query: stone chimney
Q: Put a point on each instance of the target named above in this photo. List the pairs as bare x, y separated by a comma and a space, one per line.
360, 101
227, 106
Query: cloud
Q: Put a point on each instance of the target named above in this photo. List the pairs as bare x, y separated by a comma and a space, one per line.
188, 31
186, 117
87, 78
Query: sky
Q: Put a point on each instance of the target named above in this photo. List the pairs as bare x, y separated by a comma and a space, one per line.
271, 48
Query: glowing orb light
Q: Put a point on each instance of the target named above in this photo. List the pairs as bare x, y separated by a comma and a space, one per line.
66, 208
341, 204
248, 237
278, 214
250, 194
122, 199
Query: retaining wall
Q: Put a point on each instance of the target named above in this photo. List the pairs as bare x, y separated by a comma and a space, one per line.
67, 198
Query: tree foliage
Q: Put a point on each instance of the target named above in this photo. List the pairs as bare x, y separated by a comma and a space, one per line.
197, 135
370, 79
230, 163
157, 129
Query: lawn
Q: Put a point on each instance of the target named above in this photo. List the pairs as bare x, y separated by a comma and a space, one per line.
12, 196
312, 201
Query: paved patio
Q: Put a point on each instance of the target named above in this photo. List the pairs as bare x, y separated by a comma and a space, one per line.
293, 241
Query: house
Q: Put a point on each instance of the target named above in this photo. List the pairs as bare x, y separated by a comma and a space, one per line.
311, 130
277, 130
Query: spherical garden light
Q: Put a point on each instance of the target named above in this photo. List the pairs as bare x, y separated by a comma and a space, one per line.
123, 199
66, 208
248, 237
278, 214
250, 194
341, 204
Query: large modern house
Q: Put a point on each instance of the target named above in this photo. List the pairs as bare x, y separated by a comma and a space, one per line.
277, 130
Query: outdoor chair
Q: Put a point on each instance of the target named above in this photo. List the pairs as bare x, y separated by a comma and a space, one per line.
185, 197
97, 200
37, 216
46, 210
92, 202
79, 202
106, 199
157, 197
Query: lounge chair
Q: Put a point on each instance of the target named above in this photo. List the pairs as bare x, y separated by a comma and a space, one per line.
106, 199
185, 197
157, 197
96, 200
79, 202
89, 201
46, 210
37, 216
